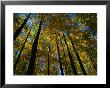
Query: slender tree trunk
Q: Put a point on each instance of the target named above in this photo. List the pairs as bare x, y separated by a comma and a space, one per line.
48, 61
61, 69
77, 55
21, 27
65, 59
31, 66
18, 58
70, 57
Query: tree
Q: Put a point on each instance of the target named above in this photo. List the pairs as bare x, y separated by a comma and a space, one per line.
70, 57
62, 73
66, 69
48, 61
21, 27
77, 55
58, 44
18, 58
31, 66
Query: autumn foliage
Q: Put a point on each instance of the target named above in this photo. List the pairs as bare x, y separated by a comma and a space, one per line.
55, 44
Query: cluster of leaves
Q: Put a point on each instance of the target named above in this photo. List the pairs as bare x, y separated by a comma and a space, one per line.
67, 43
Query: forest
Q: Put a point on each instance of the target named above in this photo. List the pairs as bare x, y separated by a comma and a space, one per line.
55, 44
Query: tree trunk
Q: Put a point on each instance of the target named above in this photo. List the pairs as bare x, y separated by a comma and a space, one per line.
48, 61
61, 69
65, 60
70, 57
31, 66
77, 55
21, 27
18, 58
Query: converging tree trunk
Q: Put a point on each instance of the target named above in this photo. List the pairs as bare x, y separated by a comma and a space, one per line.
70, 57
61, 69
64, 59
18, 58
21, 27
77, 55
48, 60
31, 66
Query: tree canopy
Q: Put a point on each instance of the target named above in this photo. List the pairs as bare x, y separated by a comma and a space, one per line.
55, 44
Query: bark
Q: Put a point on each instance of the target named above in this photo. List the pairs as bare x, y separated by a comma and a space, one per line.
77, 55
21, 27
65, 59
48, 61
31, 66
18, 58
62, 73
70, 57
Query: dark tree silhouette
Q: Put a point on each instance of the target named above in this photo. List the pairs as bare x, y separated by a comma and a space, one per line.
18, 58
70, 57
21, 27
62, 73
77, 55
48, 60
31, 66
66, 69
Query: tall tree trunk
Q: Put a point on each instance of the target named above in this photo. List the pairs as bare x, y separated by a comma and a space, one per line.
21, 27
77, 55
70, 57
65, 60
48, 60
61, 69
31, 66
18, 58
